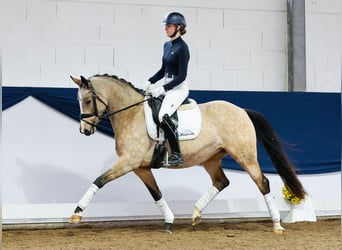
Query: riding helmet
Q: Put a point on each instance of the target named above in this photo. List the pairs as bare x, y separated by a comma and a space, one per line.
175, 18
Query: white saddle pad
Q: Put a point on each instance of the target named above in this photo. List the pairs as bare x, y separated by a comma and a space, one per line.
189, 122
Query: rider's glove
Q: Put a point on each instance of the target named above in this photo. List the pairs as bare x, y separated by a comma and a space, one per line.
147, 86
158, 91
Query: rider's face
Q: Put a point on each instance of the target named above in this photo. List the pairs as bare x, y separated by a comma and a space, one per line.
170, 29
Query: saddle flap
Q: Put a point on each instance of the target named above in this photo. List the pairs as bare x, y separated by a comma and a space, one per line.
189, 121
155, 104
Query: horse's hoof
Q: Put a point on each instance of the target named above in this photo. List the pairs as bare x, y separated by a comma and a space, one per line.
196, 220
75, 218
278, 231
277, 228
167, 228
196, 217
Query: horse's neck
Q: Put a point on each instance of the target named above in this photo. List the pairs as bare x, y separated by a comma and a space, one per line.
118, 102
121, 97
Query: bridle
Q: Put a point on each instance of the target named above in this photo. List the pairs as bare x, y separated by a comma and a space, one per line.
96, 112
103, 115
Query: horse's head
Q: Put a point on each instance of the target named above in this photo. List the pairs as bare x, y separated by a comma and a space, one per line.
91, 105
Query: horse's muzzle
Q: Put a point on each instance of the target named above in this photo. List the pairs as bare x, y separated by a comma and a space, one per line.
86, 131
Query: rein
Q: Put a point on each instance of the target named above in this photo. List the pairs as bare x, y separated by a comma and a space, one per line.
104, 115
125, 108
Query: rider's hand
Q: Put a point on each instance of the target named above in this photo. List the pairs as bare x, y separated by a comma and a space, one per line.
147, 86
158, 91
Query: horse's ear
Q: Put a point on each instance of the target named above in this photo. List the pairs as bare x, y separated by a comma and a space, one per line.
77, 81
84, 82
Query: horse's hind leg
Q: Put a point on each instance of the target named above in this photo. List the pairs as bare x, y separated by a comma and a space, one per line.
219, 180
147, 177
253, 169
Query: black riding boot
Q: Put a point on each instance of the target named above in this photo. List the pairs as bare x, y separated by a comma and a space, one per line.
171, 134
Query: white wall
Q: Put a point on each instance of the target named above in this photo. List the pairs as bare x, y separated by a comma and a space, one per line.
235, 45
323, 45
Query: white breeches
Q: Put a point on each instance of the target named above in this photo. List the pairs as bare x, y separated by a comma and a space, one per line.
173, 99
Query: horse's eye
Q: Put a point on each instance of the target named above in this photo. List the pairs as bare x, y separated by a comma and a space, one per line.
87, 102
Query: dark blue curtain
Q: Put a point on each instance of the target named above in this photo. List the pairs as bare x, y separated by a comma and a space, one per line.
309, 124
63, 100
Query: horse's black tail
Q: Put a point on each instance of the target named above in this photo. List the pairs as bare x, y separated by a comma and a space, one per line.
270, 141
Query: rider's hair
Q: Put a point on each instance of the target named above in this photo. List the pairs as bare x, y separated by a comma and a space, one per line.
182, 29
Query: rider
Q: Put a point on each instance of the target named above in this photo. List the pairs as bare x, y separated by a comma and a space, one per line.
174, 71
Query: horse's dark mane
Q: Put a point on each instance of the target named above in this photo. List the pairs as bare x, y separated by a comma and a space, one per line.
140, 91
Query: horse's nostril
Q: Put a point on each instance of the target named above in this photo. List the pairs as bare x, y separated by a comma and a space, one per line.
87, 132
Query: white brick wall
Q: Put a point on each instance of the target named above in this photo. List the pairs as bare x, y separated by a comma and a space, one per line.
234, 45
323, 45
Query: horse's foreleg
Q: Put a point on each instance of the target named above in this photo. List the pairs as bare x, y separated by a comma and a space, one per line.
219, 180
120, 168
147, 177
85, 200
167, 213
205, 199
83, 203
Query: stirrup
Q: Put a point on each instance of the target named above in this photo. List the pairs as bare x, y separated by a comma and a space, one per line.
175, 159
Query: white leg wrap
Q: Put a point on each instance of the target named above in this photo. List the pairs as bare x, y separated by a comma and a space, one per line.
206, 198
272, 209
165, 210
83, 203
